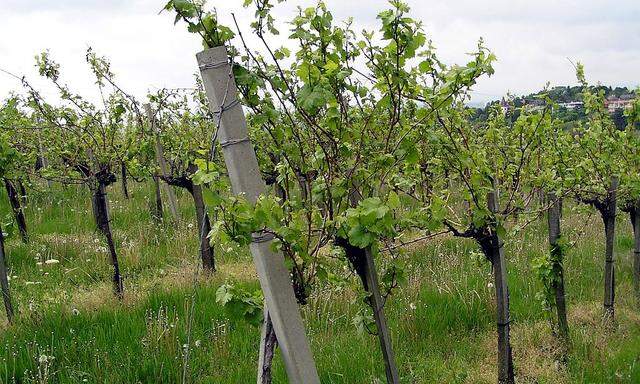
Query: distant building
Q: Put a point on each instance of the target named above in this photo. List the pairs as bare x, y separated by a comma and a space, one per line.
535, 104
505, 105
623, 102
572, 105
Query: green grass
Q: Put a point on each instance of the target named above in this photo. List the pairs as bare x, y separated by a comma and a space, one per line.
170, 330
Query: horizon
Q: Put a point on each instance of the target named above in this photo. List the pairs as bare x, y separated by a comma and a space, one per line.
479, 104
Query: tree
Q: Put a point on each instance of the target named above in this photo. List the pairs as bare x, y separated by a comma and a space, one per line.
333, 138
8, 159
482, 178
555, 179
182, 134
87, 142
14, 119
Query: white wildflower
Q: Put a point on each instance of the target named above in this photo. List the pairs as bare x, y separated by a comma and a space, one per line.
44, 359
412, 306
490, 285
52, 261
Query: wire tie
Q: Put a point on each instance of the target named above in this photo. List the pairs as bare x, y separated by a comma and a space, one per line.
262, 236
228, 143
227, 107
219, 64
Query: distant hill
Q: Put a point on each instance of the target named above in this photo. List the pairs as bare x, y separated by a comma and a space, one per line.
569, 100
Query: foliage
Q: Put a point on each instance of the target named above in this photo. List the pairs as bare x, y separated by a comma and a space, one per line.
199, 21
442, 338
366, 145
241, 304
548, 268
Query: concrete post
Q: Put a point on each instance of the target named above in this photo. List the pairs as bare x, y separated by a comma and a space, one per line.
242, 166
173, 202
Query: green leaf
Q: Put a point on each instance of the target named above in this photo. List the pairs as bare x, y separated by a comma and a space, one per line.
211, 198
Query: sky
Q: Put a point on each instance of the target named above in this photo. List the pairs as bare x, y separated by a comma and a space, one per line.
534, 41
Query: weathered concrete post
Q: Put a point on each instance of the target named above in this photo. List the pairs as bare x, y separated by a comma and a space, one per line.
242, 166
173, 202
44, 163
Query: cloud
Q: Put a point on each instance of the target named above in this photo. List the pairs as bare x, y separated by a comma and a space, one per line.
31, 6
533, 40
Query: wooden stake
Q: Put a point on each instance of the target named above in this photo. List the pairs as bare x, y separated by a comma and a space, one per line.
156, 205
4, 281
18, 210
43, 159
246, 179
635, 221
362, 261
553, 217
123, 180
203, 224
609, 218
503, 319
101, 214
364, 264
377, 304
268, 344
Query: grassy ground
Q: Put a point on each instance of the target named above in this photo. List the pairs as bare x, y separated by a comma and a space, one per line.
170, 330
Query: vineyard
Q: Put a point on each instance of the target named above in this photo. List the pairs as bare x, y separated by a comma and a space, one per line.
322, 206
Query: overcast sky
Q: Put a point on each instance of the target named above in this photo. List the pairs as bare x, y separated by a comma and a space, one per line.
533, 40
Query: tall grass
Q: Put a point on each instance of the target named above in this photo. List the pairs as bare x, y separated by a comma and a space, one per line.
71, 330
